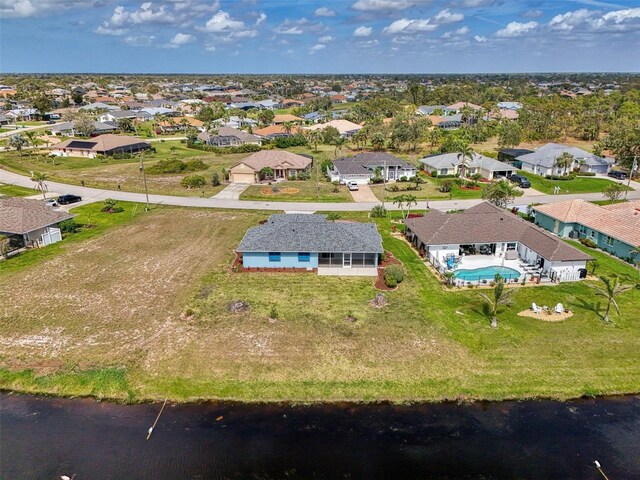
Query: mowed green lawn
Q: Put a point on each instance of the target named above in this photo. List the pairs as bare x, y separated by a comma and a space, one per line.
108, 173
577, 185
16, 190
143, 314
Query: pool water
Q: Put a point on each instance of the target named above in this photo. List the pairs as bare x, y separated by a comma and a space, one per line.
487, 273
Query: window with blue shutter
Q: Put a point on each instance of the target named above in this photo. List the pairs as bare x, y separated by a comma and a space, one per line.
304, 257
274, 256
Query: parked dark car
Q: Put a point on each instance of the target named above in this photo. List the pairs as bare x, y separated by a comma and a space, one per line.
618, 175
522, 182
68, 199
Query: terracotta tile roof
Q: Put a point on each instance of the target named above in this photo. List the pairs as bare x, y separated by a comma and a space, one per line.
343, 126
286, 118
102, 143
22, 215
620, 221
275, 130
486, 223
274, 159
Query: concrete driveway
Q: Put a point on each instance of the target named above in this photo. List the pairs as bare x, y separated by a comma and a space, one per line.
232, 191
364, 194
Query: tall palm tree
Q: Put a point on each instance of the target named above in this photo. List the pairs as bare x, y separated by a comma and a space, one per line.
610, 291
564, 161
409, 201
40, 178
399, 200
377, 141
465, 156
288, 127
32, 138
315, 137
339, 143
500, 297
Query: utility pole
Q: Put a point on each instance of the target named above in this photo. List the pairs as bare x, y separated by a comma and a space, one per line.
634, 166
317, 179
384, 182
144, 180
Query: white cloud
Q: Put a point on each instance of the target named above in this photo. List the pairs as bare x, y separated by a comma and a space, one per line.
262, 17
139, 41
384, 5
362, 31
298, 27
475, 3
534, 13
325, 39
316, 48
324, 12
222, 22
32, 8
406, 25
591, 20
516, 29
456, 33
367, 43
145, 14
182, 39
446, 16
567, 21
479, 38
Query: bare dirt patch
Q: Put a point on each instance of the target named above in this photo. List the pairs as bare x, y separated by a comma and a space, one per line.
114, 299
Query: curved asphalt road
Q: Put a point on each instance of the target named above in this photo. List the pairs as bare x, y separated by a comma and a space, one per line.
90, 195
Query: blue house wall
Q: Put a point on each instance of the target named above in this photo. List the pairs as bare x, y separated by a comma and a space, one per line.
604, 242
286, 260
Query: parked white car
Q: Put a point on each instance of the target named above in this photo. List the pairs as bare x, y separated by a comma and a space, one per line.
352, 186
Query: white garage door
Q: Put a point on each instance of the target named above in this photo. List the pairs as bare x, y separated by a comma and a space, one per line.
242, 178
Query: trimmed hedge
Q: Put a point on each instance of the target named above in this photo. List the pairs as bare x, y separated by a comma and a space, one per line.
570, 176
246, 148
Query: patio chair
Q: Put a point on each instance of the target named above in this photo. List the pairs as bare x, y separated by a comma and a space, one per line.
559, 308
535, 308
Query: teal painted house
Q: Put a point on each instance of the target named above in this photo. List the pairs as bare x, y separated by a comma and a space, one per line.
311, 242
613, 228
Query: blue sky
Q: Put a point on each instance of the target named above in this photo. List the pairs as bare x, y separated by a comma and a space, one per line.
319, 36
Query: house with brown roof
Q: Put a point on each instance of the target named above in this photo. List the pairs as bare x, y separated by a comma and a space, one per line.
484, 240
275, 131
614, 228
283, 164
107, 144
29, 223
286, 117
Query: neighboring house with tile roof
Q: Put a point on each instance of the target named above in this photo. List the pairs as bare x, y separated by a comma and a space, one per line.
502, 234
228, 137
543, 160
286, 117
30, 223
312, 242
275, 131
614, 228
284, 165
345, 128
361, 168
451, 164
107, 144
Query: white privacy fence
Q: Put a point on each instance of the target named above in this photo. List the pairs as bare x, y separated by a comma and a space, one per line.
51, 235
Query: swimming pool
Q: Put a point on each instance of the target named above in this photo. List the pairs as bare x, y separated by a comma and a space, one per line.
486, 273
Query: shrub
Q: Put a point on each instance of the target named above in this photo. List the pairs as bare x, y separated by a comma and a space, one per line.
393, 274
215, 179
193, 181
584, 174
195, 165
402, 179
587, 242
111, 206
273, 314
570, 176
389, 281
69, 226
378, 212
446, 186
304, 175
171, 165
434, 174
246, 148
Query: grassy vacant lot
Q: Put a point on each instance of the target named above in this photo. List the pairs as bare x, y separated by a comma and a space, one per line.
577, 185
141, 311
16, 190
109, 173
429, 189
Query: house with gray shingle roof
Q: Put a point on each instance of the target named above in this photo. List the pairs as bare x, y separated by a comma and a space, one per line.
543, 160
451, 164
488, 237
361, 168
29, 223
311, 242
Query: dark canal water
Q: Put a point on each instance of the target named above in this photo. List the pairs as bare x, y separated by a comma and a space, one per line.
43, 438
